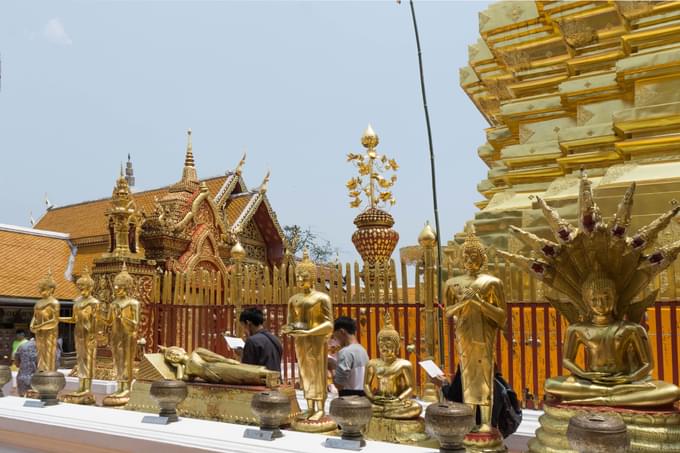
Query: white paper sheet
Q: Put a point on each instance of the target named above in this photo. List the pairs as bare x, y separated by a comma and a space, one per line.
234, 342
431, 368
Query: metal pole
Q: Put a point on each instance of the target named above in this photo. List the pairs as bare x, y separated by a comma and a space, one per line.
434, 181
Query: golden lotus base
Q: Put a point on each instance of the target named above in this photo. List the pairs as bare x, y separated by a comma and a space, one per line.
650, 431
410, 432
85, 399
323, 425
486, 442
224, 403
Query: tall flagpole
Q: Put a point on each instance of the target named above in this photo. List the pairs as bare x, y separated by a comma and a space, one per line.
434, 184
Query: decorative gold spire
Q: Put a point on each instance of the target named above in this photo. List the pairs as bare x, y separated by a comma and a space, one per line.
371, 167
427, 236
241, 163
238, 253
265, 183
189, 171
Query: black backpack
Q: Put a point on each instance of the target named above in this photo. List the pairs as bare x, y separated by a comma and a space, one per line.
507, 412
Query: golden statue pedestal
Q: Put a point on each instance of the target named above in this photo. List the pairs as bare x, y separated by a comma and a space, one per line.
218, 402
410, 432
650, 431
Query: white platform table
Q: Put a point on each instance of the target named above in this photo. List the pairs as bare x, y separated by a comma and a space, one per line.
69, 427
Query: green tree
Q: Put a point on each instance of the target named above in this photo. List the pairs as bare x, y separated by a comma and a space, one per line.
320, 250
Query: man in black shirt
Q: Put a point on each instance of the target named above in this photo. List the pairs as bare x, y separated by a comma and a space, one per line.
261, 348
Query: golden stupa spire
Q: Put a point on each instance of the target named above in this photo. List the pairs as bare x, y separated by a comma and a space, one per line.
189, 171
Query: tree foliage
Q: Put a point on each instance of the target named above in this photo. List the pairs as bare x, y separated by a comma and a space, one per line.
320, 250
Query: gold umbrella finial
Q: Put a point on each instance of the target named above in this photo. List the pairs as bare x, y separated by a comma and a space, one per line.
370, 139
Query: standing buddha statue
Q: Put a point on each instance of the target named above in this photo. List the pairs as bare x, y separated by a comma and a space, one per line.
45, 324
123, 317
310, 323
85, 315
476, 301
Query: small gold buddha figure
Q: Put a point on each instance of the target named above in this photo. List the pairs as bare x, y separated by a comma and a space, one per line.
45, 324
310, 323
123, 317
389, 380
617, 354
476, 301
85, 315
216, 369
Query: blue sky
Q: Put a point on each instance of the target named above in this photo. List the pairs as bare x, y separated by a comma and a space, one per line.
295, 83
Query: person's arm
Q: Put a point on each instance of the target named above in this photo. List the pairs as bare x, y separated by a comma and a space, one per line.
249, 353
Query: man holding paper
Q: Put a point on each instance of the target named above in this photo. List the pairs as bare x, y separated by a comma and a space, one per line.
261, 347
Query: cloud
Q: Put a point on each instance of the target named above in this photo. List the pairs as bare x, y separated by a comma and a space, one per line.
54, 32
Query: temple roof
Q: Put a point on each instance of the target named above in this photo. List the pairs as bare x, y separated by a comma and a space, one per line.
27, 254
88, 219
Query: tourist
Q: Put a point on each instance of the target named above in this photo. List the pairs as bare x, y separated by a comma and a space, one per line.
351, 358
26, 359
19, 339
261, 347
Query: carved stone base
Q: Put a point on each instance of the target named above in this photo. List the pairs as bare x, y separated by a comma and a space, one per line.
650, 431
484, 442
73, 398
224, 403
411, 432
323, 425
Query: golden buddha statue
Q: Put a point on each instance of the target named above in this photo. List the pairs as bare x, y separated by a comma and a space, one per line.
45, 324
85, 316
216, 369
476, 301
601, 271
389, 380
617, 352
310, 323
123, 317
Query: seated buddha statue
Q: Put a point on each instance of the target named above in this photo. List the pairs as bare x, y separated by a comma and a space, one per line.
216, 369
389, 380
617, 354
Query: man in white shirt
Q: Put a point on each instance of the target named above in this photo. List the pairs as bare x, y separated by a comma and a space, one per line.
351, 358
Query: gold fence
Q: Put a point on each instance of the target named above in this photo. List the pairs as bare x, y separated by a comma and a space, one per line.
206, 304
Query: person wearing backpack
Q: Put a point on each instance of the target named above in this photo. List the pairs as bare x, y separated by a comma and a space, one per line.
506, 414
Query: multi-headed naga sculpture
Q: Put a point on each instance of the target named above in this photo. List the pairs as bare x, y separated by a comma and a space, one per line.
601, 270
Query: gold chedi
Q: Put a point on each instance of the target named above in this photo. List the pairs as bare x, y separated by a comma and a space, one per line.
601, 271
85, 316
123, 317
476, 301
310, 323
45, 324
